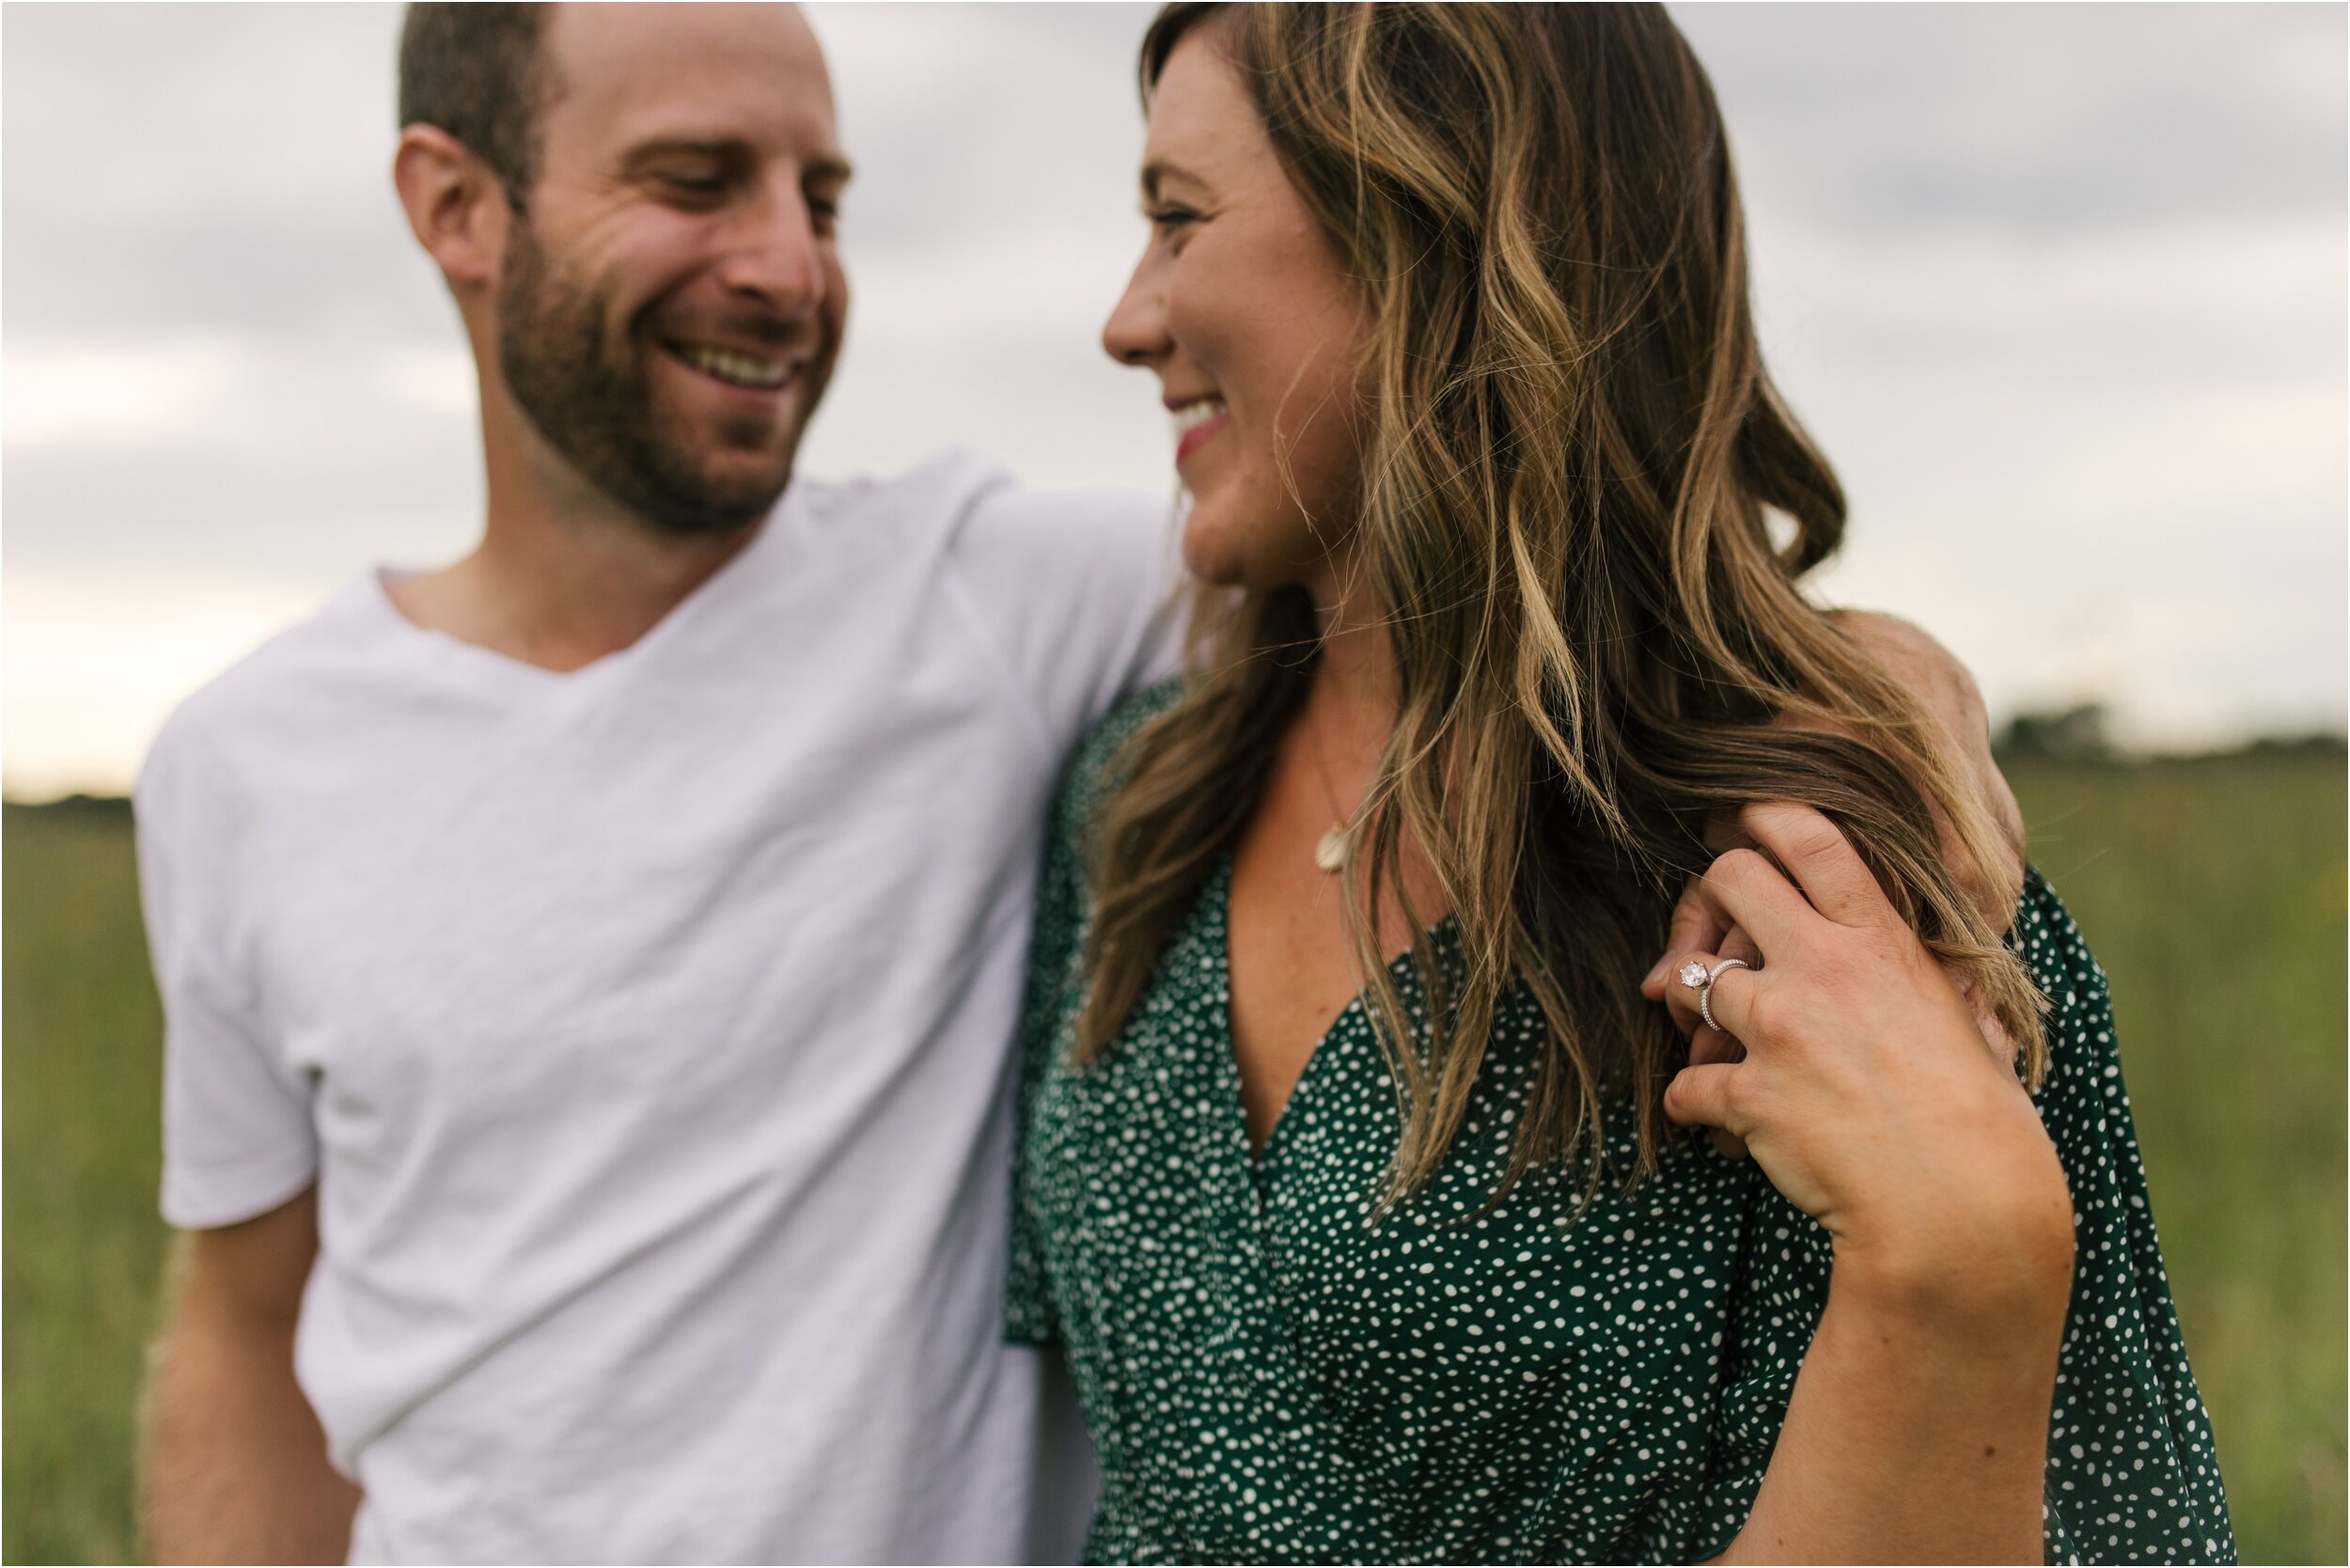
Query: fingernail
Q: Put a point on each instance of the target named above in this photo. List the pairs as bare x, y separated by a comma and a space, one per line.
1656, 969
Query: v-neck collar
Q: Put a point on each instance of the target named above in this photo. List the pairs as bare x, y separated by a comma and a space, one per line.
526, 680
1353, 1021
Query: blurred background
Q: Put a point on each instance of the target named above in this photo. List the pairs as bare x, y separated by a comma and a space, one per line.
2060, 289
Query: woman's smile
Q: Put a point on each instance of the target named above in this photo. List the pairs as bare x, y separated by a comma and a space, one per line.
1197, 421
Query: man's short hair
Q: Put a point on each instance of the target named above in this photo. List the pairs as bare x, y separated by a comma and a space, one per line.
475, 72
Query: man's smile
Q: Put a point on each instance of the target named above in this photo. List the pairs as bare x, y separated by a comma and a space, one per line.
734, 366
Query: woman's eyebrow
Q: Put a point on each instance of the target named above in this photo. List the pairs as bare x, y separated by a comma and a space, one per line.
1159, 169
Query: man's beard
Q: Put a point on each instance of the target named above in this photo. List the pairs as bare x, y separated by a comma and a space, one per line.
593, 403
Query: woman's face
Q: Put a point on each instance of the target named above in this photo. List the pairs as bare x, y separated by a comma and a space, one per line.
1242, 307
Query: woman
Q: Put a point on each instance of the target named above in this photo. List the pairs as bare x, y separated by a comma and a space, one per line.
1449, 306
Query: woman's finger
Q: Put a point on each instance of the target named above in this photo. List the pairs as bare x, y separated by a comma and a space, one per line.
1744, 888
1710, 1046
1822, 861
1694, 926
1680, 999
1707, 1047
1731, 999
1704, 1097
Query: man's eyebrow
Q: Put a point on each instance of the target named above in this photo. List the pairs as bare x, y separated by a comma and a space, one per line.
686, 147
828, 167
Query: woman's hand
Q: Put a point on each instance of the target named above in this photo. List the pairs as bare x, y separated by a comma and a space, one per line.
1950, 696
1864, 1090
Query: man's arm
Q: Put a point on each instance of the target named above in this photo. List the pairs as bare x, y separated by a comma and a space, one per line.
1937, 680
236, 1462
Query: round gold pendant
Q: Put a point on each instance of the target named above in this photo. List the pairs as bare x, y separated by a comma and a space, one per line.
1330, 854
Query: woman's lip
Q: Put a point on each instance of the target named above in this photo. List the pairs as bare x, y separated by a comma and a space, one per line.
1199, 433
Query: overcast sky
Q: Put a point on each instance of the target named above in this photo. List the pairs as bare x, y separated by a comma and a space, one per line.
2060, 289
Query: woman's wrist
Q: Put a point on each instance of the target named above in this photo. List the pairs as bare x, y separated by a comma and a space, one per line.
1997, 1250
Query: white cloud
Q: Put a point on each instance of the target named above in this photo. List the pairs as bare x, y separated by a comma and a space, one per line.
93, 668
2059, 287
122, 395
437, 379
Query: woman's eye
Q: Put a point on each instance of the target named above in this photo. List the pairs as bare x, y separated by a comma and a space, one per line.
1169, 217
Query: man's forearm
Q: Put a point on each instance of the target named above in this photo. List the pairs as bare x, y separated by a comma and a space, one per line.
236, 1462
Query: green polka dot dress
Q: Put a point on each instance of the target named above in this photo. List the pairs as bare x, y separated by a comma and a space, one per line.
1269, 1375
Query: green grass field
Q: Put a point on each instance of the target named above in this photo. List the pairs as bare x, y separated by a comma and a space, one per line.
2214, 892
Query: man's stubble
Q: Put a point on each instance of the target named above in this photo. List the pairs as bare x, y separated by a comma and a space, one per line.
593, 402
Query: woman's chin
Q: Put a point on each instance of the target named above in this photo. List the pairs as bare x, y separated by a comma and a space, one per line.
1210, 556
1256, 555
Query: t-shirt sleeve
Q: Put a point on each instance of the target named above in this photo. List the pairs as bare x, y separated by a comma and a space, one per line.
2132, 1473
1075, 592
1030, 1318
238, 1137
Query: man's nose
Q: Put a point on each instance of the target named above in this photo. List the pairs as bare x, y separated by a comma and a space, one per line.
777, 257
1135, 333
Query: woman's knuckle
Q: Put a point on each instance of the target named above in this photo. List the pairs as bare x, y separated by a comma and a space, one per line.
1677, 1097
1742, 1098
1734, 870
1812, 834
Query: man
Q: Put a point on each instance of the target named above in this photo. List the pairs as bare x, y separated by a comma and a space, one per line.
591, 969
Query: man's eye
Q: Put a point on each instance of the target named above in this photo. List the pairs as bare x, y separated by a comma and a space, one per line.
694, 185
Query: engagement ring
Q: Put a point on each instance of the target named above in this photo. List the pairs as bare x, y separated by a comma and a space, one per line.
1705, 991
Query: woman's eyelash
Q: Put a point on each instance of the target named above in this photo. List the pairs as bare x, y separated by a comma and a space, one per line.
1168, 216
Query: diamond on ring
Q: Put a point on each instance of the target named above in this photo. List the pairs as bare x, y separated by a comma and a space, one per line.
1691, 975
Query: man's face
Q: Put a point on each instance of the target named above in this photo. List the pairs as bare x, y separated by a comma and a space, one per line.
670, 310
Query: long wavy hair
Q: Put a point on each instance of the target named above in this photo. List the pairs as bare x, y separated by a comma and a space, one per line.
1585, 513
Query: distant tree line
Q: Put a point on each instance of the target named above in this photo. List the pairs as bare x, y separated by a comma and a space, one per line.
2077, 735
2083, 733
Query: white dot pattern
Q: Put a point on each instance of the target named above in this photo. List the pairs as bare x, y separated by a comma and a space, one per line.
1271, 1374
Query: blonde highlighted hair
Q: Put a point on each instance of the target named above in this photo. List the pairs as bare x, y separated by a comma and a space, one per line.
1574, 468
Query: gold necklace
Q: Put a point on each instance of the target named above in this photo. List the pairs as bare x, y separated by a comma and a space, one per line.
1331, 849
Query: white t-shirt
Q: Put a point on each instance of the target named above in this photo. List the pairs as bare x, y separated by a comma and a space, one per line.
647, 1029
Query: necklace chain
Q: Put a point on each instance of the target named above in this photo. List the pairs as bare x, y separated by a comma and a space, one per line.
1331, 849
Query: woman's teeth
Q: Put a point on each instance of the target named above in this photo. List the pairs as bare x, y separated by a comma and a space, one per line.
738, 369
1192, 414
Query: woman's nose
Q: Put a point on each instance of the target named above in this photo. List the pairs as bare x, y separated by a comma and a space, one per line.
1135, 333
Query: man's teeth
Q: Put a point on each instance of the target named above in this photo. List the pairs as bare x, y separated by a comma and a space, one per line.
1197, 414
741, 369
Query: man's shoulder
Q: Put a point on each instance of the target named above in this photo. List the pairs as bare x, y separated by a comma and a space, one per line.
975, 496
283, 683
938, 491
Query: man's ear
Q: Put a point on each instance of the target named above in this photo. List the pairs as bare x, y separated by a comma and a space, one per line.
456, 206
